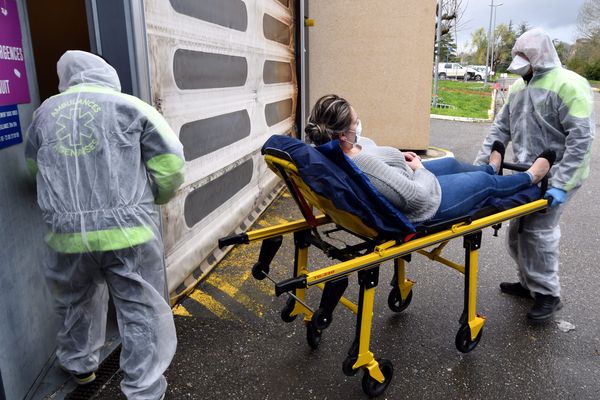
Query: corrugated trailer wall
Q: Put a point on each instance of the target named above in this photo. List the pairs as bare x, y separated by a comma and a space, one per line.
223, 75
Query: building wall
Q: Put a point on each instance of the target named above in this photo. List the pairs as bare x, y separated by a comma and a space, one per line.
223, 75
28, 322
376, 54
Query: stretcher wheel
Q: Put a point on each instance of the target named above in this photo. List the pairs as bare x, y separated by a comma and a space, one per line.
371, 387
260, 270
395, 300
287, 310
463, 341
347, 366
313, 336
321, 319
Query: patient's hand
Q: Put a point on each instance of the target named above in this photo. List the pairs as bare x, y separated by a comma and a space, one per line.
409, 156
415, 163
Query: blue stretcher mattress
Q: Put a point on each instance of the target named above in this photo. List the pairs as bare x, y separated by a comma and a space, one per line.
331, 174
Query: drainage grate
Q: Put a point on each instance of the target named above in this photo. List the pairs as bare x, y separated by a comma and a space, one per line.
108, 369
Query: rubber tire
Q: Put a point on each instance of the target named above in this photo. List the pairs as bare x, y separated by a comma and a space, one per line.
463, 341
371, 387
320, 320
287, 310
395, 302
442, 75
347, 366
477, 78
313, 337
258, 269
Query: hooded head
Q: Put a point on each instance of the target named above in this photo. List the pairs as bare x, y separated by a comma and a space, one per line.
537, 46
76, 67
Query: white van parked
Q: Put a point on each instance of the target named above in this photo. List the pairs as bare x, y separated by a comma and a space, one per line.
457, 71
480, 71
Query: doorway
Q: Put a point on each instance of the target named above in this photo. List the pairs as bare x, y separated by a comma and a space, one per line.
55, 27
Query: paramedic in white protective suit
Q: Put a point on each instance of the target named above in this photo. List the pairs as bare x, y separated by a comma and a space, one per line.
103, 160
549, 108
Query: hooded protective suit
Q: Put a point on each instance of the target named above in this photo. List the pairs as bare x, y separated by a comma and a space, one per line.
102, 160
554, 110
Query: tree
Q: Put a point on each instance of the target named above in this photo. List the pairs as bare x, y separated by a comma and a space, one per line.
452, 12
585, 56
504, 40
563, 49
447, 49
585, 59
522, 28
479, 45
588, 19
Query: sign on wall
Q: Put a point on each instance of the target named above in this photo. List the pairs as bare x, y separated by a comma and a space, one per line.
10, 128
13, 76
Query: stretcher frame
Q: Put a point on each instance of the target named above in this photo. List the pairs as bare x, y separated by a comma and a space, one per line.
365, 260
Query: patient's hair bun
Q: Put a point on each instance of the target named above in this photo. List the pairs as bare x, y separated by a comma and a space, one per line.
318, 133
330, 117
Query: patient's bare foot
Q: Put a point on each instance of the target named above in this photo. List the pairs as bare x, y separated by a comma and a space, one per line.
542, 165
497, 156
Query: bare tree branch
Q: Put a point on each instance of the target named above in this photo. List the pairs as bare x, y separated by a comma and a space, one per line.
588, 19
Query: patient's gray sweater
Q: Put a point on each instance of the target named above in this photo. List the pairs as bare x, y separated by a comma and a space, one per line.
416, 193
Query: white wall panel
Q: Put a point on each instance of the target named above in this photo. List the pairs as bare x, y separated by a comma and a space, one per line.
175, 40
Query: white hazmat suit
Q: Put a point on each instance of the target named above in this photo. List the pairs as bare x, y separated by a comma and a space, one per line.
103, 160
554, 110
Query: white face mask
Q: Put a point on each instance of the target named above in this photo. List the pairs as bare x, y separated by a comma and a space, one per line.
358, 130
519, 66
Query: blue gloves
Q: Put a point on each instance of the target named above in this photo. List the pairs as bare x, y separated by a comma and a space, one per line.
559, 196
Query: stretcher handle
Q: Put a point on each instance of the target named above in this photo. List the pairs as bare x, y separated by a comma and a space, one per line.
241, 238
290, 284
515, 167
426, 228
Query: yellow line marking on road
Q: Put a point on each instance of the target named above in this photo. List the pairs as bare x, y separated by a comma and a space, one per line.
263, 223
231, 287
181, 311
237, 266
212, 305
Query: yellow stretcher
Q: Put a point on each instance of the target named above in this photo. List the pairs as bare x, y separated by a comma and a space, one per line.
365, 260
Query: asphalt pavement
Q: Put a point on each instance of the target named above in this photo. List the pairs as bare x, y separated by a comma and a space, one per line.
234, 345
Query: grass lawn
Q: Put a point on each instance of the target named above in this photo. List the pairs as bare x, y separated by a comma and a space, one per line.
466, 99
595, 84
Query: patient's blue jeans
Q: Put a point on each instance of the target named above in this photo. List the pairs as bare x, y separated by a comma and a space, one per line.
465, 185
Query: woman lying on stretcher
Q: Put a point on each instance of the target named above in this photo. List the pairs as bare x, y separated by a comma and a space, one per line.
436, 189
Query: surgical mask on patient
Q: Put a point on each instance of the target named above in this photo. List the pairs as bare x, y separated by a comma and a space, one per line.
358, 130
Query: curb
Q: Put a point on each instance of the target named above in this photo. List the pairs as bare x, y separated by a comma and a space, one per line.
460, 119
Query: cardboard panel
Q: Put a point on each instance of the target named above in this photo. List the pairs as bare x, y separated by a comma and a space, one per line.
378, 55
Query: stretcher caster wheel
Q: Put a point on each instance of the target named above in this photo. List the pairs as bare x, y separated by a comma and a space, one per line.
321, 319
287, 310
463, 341
313, 336
371, 387
260, 270
395, 300
347, 366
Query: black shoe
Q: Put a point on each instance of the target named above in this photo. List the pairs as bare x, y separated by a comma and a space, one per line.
549, 155
499, 147
544, 307
515, 289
